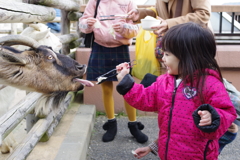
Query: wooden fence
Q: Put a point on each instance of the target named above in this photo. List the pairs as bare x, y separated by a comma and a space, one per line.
34, 11
43, 12
43, 127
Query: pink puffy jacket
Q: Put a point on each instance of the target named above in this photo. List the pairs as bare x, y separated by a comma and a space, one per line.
102, 34
179, 137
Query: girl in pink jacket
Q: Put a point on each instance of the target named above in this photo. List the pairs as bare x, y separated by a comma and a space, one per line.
194, 109
110, 48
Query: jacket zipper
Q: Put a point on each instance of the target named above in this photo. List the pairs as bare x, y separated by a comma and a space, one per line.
170, 116
205, 151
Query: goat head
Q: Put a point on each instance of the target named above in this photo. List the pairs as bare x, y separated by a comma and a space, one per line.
39, 69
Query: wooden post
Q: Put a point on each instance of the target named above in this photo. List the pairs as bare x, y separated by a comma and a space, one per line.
65, 29
67, 38
13, 28
31, 119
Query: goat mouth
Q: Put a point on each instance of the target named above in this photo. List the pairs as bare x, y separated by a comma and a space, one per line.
83, 82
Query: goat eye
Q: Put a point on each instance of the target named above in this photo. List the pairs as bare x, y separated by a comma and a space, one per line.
49, 57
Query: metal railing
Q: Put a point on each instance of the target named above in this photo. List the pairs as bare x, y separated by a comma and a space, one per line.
231, 33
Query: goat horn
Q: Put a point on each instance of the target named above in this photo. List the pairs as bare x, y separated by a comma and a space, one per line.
19, 40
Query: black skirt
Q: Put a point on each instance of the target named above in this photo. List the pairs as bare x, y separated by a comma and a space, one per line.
103, 59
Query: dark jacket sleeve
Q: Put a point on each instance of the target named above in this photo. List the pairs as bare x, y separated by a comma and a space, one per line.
125, 84
215, 118
148, 79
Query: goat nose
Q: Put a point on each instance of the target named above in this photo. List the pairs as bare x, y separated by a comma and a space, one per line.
80, 67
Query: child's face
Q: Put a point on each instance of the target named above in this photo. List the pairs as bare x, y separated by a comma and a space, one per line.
171, 62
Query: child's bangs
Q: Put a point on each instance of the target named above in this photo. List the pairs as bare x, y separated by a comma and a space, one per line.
171, 41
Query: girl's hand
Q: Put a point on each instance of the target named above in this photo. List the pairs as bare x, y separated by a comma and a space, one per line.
206, 118
122, 70
118, 27
91, 21
161, 28
133, 15
141, 152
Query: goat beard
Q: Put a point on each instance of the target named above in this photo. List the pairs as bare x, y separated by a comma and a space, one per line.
50, 102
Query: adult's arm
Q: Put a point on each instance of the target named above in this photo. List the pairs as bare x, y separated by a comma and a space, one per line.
199, 12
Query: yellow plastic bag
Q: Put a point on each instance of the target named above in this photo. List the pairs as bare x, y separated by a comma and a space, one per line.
146, 61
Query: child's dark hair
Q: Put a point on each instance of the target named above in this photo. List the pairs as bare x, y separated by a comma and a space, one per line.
195, 47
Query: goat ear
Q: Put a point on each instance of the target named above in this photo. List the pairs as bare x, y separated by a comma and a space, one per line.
38, 35
12, 58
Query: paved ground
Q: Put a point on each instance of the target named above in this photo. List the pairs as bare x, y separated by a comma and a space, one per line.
122, 145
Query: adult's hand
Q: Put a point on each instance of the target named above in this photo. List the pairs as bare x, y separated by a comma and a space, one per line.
141, 152
118, 27
161, 28
91, 21
133, 15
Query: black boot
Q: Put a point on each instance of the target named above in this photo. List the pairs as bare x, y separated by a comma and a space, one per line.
111, 127
135, 128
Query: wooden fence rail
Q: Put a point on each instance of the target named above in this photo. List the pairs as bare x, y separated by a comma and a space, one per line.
33, 11
43, 127
16, 12
15, 115
67, 5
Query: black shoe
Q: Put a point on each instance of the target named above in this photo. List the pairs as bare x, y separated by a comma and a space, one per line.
111, 127
135, 129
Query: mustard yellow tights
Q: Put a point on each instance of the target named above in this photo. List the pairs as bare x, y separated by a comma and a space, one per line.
107, 90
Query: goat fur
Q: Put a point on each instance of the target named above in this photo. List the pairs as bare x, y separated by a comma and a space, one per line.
42, 34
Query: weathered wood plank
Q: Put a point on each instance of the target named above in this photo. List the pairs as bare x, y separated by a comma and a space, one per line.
67, 5
16, 12
32, 138
57, 119
43, 127
67, 38
76, 43
74, 16
15, 115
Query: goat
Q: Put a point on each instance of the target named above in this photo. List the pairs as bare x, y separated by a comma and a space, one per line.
39, 69
41, 33
8, 96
